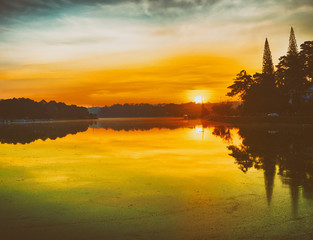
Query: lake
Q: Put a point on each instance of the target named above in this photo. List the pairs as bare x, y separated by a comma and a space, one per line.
155, 178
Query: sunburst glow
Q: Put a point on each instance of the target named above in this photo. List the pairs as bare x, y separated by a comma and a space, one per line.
199, 96
199, 99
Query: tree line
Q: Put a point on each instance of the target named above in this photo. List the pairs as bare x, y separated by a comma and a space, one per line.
25, 108
191, 109
151, 110
286, 90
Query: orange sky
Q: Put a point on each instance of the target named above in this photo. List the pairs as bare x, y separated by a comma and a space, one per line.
103, 53
176, 79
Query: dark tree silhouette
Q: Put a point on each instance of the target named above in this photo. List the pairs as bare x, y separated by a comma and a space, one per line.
266, 90
281, 91
268, 66
224, 109
306, 56
242, 84
258, 92
291, 74
204, 111
24, 108
293, 47
148, 110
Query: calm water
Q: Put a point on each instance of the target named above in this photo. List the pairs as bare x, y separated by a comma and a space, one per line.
155, 179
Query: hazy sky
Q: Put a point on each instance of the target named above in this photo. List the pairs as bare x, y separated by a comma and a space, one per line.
100, 52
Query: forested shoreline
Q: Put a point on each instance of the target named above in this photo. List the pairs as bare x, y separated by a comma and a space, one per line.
149, 110
27, 109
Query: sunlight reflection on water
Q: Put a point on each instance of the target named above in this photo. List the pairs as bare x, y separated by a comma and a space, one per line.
154, 179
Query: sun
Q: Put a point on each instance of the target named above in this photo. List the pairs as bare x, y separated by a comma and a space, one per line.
198, 96
199, 99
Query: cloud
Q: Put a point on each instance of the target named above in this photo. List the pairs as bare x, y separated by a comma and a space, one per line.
34, 8
220, 27
97, 50
164, 81
17, 10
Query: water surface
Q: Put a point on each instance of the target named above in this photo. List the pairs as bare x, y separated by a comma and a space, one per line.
155, 179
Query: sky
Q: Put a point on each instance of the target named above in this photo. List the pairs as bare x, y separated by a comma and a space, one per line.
102, 52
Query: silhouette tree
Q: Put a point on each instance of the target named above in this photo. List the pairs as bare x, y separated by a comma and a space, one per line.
24, 108
258, 92
267, 78
281, 91
204, 111
263, 96
223, 109
268, 67
293, 47
242, 84
290, 73
306, 58
149, 110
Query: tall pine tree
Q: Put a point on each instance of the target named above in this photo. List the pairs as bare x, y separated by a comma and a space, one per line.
268, 67
290, 73
280, 91
293, 47
266, 91
262, 95
259, 93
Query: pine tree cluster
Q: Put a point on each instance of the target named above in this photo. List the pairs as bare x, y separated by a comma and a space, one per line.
280, 91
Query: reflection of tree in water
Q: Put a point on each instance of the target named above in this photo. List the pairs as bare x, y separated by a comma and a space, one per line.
144, 124
290, 149
242, 156
223, 132
27, 133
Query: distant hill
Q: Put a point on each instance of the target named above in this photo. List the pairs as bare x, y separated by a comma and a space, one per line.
148, 110
156, 110
94, 110
25, 108
153, 110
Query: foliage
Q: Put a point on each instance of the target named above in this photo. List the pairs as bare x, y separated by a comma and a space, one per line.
293, 48
241, 86
268, 66
281, 90
149, 110
224, 109
306, 56
24, 108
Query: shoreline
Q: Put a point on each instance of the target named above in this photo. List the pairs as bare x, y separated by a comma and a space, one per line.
50, 120
260, 120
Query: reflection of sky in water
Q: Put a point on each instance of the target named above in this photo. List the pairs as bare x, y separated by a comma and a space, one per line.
153, 184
